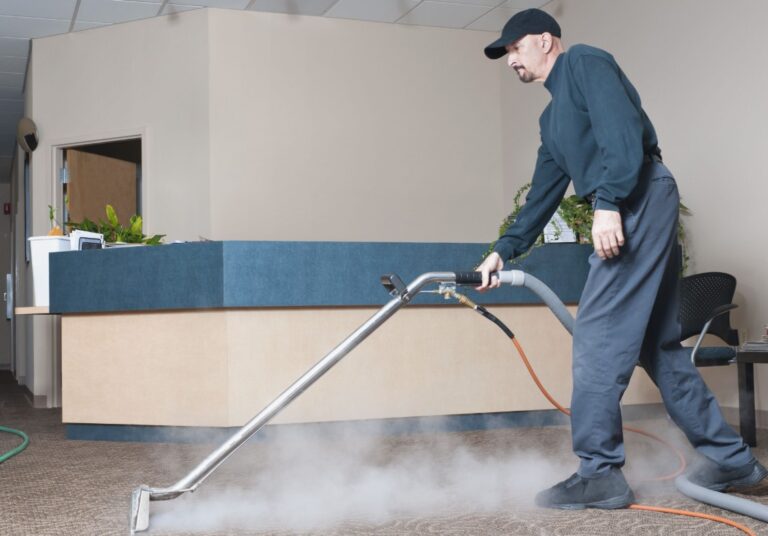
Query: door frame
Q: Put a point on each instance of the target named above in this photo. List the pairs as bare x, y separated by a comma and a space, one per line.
57, 161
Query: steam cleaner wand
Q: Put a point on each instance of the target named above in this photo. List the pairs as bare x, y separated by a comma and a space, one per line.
402, 295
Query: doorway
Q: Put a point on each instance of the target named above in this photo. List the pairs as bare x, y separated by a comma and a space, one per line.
99, 174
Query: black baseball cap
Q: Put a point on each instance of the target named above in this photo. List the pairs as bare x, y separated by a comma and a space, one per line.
529, 21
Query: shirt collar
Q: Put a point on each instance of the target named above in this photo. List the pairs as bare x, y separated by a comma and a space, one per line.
554, 75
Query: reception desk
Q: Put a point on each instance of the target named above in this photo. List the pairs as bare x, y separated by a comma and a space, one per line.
207, 334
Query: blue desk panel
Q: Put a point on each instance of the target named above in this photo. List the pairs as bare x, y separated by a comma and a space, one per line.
205, 275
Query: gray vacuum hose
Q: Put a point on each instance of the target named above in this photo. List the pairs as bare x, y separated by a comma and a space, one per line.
518, 278
722, 500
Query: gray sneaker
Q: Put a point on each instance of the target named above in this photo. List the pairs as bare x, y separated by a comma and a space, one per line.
607, 491
717, 478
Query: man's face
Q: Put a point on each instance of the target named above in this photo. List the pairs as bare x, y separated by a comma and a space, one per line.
526, 57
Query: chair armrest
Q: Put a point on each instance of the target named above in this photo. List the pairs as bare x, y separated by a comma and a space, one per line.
717, 311
720, 309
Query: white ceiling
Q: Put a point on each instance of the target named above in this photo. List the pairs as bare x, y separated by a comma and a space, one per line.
21, 20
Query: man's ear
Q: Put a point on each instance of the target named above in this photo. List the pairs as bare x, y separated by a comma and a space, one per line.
546, 42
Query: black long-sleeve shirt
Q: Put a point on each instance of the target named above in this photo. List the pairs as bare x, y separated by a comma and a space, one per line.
594, 132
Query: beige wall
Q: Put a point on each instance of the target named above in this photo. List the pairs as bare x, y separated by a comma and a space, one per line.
328, 129
147, 78
705, 93
24, 337
5, 267
372, 132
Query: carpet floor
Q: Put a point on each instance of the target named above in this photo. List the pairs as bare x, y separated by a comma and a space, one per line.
344, 482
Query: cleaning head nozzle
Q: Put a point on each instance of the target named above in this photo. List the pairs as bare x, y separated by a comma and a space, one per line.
139, 509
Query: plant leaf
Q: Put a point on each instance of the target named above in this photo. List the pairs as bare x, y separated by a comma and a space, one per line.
112, 215
136, 224
154, 240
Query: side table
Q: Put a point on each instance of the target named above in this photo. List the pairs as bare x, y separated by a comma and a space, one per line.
745, 360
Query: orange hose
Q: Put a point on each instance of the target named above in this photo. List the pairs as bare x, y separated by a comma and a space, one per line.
556, 404
746, 530
680, 456
562, 409
688, 513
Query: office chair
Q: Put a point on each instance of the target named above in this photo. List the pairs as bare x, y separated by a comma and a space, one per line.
705, 302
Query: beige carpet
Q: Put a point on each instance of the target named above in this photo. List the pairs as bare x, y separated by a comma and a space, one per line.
342, 482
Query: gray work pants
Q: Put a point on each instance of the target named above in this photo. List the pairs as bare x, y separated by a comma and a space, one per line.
628, 313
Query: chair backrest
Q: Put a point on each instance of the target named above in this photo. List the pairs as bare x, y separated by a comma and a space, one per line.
699, 295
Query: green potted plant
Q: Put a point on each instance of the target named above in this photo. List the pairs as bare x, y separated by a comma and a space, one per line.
116, 233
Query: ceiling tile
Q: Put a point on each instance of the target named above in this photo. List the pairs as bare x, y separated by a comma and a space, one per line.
12, 64
84, 25
226, 4
11, 93
294, 7
375, 10
13, 80
14, 46
494, 20
170, 9
115, 10
31, 27
430, 13
8, 123
7, 139
524, 4
11, 117
44, 9
8, 134
15, 107
488, 3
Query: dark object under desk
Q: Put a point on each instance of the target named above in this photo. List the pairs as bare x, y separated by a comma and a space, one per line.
745, 361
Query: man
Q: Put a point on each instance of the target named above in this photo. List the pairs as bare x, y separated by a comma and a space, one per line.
595, 133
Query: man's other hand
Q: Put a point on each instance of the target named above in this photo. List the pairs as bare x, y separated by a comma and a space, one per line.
607, 235
492, 263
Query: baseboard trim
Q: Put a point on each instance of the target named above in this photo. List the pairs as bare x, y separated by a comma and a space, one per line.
398, 426
732, 417
36, 401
